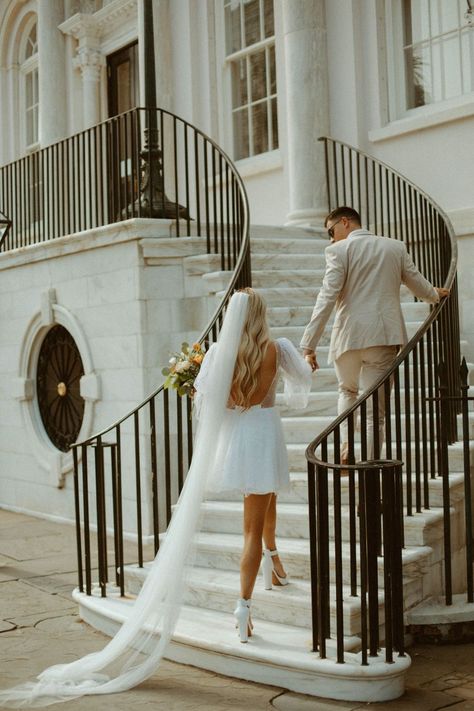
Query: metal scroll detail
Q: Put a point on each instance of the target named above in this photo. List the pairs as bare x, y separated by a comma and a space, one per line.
60, 403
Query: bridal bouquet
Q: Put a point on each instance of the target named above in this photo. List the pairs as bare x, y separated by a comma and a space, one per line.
183, 368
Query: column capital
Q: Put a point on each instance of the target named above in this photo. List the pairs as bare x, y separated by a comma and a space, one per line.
90, 62
87, 31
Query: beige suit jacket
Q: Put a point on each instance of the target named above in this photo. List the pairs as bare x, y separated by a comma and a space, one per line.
363, 276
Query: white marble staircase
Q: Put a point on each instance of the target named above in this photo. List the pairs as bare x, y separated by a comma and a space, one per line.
287, 267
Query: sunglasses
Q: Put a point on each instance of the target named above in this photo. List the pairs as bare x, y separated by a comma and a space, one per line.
331, 229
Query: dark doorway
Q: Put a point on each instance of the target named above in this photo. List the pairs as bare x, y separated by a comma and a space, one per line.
123, 134
122, 79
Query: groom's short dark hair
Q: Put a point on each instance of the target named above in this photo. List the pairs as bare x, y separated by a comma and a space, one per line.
343, 211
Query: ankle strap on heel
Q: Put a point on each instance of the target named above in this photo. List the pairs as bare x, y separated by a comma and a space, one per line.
270, 554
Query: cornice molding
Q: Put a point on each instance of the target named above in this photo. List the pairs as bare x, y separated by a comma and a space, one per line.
101, 22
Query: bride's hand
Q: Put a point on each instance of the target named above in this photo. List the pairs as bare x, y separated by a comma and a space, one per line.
310, 357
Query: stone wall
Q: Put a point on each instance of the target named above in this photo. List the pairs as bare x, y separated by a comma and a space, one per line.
123, 294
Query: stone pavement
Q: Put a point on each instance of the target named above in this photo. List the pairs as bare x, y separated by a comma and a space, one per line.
39, 626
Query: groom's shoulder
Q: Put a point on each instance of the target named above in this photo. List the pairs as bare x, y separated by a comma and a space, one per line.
336, 248
393, 244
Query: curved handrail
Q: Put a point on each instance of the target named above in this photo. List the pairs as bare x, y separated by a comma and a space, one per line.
237, 273
449, 282
310, 455
150, 447
390, 205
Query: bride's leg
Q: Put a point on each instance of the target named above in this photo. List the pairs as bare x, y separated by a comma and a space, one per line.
255, 509
269, 534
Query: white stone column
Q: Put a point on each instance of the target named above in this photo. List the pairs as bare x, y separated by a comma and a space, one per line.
52, 73
307, 108
90, 62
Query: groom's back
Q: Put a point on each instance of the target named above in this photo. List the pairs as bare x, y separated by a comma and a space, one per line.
374, 268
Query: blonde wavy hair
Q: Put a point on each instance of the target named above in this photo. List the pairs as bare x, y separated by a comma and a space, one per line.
252, 349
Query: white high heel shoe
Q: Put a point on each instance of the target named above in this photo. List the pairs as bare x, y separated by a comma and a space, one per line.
244, 623
269, 570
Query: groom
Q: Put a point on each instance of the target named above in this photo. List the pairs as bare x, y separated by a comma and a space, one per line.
362, 279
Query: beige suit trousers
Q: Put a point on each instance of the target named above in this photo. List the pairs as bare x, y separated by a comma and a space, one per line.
356, 371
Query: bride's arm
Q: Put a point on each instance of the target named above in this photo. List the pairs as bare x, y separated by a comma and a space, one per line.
296, 375
201, 383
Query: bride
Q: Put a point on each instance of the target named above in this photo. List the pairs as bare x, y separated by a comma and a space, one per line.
239, 446
252, 457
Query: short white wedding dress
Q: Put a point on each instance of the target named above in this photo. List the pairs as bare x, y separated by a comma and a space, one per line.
251, 455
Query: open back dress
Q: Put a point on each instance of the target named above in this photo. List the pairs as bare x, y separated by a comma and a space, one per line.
251, 451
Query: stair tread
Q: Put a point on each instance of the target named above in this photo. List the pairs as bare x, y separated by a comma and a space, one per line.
301, 509
292, 546
280, 644
297, 592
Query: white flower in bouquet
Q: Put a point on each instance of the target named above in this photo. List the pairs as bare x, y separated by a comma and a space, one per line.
183, 368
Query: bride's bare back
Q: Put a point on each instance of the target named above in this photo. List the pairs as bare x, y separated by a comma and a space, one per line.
266, 374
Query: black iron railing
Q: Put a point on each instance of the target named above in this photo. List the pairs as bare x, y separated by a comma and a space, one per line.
113, 172
5, 226
401, 411
380, 567
128, 476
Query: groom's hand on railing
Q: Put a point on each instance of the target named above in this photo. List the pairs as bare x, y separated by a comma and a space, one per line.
310, 357
442, 292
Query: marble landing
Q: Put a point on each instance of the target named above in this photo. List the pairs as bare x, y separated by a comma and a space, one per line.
277, 654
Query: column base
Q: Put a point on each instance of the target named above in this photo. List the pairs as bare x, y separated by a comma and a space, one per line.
306, 218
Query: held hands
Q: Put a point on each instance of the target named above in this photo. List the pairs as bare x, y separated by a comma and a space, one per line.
442, 292
310, 357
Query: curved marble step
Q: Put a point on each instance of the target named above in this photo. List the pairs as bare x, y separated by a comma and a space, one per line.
304, 429
277, 654
290, 605
297, 459
421, 529
300, 315
223, 551
288, 245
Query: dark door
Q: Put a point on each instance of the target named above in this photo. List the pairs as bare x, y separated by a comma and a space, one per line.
122, 73
123, 134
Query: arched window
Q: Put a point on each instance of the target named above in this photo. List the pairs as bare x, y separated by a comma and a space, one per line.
30, 102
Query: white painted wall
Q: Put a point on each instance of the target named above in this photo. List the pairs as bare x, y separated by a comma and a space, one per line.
126, 312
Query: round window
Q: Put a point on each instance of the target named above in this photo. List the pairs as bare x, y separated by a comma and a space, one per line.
57, 383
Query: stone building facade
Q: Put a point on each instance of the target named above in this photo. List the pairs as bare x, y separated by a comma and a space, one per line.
264, 79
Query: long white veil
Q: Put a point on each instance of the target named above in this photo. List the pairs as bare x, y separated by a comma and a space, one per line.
134, 653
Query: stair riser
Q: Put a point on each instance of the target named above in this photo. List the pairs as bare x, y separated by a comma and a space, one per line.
283, 297
312, 234
281, 606
322, 352
304, 430
280, 278
260, 233
301, 315
295, 333
298, 565
298, 492
289, 246
280, 612
297, 459
324, 402
287, 259
418, 531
